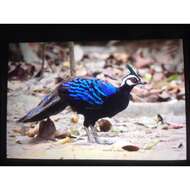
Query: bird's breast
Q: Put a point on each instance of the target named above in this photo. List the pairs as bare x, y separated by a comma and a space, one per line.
116, 105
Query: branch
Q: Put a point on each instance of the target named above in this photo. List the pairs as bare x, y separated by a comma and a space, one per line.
72, 58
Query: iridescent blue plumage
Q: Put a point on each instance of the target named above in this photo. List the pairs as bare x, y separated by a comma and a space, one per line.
92, 91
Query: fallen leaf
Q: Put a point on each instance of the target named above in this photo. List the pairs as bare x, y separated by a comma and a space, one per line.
175, 125
151, 144
32, 131
104, 125
21, 130
46, 129
64, 141
61, 134
75, 118
147, 77
130, 148
173, 77
66, 64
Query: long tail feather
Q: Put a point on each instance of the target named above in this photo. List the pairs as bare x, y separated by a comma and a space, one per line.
50, 105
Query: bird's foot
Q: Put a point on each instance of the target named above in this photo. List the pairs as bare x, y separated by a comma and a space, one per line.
100, 140
94, 138
91, 138
104, 141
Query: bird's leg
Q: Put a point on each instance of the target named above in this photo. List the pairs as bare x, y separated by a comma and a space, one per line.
98, 139
94, 133
90, 136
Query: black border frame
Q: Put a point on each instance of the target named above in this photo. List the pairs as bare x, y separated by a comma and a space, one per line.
75, 32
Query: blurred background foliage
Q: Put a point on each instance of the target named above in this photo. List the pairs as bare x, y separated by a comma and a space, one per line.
159, 62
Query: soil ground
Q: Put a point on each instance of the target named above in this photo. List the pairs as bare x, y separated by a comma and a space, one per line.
136, 125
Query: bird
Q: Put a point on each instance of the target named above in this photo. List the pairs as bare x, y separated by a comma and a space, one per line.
93, 98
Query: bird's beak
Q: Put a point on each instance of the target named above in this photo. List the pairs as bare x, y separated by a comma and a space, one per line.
142, 82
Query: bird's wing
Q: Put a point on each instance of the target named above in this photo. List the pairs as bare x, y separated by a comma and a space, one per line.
90, 91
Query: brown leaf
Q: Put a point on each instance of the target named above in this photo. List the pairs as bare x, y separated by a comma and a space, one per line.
104, 125
46, 129
130, 148
20, 71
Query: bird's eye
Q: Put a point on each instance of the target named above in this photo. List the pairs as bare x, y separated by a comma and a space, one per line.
134, 80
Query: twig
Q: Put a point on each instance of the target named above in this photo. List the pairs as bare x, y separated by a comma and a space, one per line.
43, 58
40, 73
72, 58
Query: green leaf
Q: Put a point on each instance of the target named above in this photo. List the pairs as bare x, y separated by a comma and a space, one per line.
148, 77
173, 77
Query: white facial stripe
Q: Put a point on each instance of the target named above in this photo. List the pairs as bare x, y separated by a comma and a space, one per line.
128, 81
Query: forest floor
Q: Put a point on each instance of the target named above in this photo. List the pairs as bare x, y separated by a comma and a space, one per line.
138, 125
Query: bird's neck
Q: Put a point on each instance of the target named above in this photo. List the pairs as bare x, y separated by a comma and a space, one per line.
125, 89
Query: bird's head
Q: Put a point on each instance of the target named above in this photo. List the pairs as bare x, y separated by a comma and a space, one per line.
132, 79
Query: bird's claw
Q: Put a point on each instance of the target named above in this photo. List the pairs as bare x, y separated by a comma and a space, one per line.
104, 141
93, 137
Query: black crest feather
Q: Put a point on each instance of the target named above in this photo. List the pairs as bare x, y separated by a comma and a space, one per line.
131, 69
